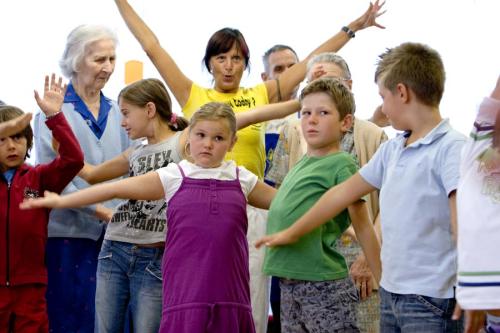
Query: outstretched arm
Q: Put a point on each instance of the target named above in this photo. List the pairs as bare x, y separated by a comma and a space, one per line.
111, 169
144, 187
329, 205
179, 84
266, 112
293, 76
15, 125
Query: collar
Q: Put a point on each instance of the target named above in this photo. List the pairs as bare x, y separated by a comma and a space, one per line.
437, 132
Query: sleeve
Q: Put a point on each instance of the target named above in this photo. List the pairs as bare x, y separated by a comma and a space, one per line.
450, 165
171, 179
346, 171
45, 154
66, 165
373, 171
248, 180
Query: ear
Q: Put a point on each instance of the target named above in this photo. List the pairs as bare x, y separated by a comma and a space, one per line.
151, 110
233, 142
264, 76
346, 123
402, 92
349, 84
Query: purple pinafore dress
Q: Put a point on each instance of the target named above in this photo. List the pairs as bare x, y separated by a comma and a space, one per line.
205, 265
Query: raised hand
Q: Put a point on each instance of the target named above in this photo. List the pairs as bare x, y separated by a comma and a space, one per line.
50, 200
369, 17
53, 95
15, 125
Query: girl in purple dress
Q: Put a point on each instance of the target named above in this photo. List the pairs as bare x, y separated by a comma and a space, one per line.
205, 264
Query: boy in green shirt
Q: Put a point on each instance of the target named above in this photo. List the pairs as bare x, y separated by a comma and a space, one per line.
317, 294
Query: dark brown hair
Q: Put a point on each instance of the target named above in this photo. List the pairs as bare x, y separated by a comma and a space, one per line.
9, 112
222, 41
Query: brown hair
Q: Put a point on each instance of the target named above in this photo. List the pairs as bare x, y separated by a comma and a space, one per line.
415, 65
9, 112
215, 111
222, 41
144, 91
338, 92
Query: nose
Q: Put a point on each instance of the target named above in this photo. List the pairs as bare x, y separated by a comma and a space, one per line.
108, 66
312, 119
207, 143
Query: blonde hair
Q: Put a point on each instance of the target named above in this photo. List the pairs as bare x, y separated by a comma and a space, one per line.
215, 111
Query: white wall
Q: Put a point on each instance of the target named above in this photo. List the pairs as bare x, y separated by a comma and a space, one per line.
465, 32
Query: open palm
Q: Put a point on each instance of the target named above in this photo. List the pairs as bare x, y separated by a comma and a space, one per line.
53, 95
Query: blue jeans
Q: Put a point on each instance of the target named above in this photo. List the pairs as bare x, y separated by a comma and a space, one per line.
128, 279
416, 313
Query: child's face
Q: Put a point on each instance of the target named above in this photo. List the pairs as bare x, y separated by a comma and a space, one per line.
135, 120
12, 151
321, 124
391, 106
209, 141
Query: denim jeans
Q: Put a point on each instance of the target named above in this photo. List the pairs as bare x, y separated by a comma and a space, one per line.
416, 313
128, 279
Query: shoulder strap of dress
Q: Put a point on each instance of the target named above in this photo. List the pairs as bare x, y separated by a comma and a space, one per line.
237, 173
182, 171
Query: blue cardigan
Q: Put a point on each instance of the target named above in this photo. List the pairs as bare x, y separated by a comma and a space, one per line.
81, 222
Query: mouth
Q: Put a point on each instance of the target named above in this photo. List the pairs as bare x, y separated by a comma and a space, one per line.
12, 157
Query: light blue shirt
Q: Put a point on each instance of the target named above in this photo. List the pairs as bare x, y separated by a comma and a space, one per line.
418, 252
81, 222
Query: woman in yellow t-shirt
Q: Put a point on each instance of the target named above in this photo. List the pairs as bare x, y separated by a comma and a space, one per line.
226, 58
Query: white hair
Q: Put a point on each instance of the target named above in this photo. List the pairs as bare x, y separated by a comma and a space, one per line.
77, 42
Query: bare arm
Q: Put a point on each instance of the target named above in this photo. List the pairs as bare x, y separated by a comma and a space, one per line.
179, 84
261, 195
329, 205
293, 76
144, 187
266, 112
111, 169
365, 233
15, 125
452, 202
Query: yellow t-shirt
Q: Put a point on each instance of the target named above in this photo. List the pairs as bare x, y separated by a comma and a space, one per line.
249, 150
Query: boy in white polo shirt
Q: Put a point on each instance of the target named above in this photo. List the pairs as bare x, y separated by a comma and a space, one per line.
417, 174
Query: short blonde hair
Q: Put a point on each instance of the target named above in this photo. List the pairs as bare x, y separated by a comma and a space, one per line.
215, 111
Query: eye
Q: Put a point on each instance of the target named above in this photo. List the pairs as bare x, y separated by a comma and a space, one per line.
200, 135
278, 69
324, 113
305, 112
237, 58
17, 137
219, 138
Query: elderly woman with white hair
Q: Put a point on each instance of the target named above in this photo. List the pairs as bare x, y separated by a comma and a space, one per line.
75, 235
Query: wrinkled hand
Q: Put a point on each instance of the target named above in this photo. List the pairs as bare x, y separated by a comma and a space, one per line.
49, 200
369, 18
53, 95
362, 276
15, 125
474, 319
279, 238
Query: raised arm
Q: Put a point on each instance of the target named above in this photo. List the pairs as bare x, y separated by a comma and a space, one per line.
144, 187
266, 112
329, 205
111, 169
56, 174
179, 84
15, 125
295, 74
